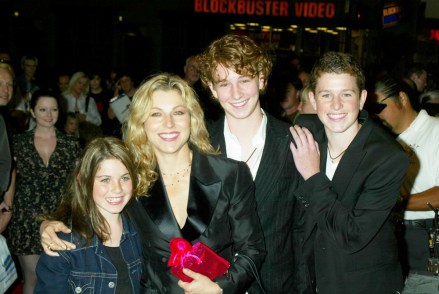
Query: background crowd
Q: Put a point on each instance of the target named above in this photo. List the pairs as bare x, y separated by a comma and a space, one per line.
282, 98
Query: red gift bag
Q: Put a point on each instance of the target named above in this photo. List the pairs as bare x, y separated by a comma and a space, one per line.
198, 258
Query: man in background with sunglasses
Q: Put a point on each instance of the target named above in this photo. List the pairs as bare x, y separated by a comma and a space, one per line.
418, 133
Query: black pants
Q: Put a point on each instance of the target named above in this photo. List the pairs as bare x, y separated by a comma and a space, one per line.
414, 250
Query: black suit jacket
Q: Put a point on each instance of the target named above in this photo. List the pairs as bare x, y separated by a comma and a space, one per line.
348, 228
221, 214
276, 181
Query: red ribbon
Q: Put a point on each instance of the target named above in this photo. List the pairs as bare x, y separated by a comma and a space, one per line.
180, 250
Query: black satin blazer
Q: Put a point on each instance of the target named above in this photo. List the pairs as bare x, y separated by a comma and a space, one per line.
221, 214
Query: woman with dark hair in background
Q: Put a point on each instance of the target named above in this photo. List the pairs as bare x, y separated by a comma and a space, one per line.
44, 158
102, 97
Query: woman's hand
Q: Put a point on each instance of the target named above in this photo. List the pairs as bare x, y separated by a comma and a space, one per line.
305, 152
200, 284
49, 239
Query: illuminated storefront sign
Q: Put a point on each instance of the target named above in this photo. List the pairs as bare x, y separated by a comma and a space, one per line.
434, 35
314, 9
391, 14
248, 7
300, 9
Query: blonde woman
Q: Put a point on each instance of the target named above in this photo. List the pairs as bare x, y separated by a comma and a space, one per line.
76, 100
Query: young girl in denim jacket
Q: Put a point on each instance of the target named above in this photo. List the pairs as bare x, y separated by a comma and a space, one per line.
107, 258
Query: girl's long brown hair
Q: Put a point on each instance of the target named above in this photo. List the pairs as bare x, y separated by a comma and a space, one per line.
77, 207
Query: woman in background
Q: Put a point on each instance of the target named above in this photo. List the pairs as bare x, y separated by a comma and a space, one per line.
102, 97
76, 100
44, 158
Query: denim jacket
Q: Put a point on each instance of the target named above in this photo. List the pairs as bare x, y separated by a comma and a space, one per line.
89, 269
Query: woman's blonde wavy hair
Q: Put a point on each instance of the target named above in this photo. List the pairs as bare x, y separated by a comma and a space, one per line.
140, 108
75, 77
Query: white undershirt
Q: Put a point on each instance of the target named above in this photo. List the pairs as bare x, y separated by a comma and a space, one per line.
330, 167
234, 149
